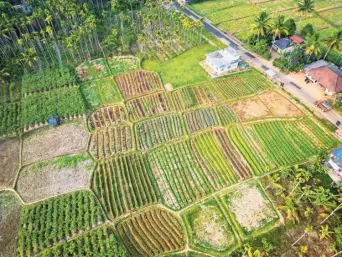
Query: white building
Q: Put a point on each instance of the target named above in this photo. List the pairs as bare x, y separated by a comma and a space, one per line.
223, 60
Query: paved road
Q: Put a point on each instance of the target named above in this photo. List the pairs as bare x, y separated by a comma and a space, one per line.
261, 64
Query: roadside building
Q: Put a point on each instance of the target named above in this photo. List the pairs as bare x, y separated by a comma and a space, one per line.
329, 77
283, 46
335, 165
296, 39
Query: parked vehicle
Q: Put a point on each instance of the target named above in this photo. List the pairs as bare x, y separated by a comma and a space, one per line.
323, 105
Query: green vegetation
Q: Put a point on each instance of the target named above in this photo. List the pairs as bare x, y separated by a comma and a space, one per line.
9, 120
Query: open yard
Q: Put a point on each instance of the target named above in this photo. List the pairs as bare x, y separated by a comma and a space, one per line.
45, 143
9, 162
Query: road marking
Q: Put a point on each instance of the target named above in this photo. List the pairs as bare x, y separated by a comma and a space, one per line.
250, 55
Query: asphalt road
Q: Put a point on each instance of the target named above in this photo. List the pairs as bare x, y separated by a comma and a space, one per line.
262, 65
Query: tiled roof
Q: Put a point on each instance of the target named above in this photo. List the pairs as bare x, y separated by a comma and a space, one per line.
328, 77
297, 39
283, 43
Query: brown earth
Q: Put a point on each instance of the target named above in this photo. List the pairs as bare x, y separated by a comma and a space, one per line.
35, 184
251, 109
279, 105
9, 162
9, 224
48, 143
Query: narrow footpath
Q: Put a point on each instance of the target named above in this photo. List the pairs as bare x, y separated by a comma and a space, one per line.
291, 85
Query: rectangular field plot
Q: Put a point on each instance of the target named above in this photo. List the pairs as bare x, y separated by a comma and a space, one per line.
136, 83
200, 119
9, 120
110, 141
98, 242
334, 16
210, 228
150, 105
273, 144
107, 116
151, 133
250, 210
124, 184
178, 174
152, 233
213, 161
52, 221
226, 115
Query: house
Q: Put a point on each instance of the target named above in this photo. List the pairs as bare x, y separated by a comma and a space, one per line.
297, 39
329, 77
314, 65
223, 60
335, 165
283, 46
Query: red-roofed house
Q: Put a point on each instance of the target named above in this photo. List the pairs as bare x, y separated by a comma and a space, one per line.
329, 77
297, 39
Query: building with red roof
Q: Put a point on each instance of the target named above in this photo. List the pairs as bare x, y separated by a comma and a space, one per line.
297, 39
329, 77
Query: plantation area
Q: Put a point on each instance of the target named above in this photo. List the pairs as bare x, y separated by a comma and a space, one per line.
151, 157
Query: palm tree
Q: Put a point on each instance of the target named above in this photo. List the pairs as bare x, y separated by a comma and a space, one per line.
334, 42
291, 209
312, 44
325, 233
261, 24
279, 29
305, 7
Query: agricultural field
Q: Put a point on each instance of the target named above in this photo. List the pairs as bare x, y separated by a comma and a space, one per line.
152, 233
107, 116
44, 144
9, 117
9, 162
58, 176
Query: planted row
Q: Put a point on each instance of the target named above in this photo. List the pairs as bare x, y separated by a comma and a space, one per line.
226, 115
9, 118
52, 221
200, 119
63, 102
110, 141
147, 106
107, 116
135, 83
124, 184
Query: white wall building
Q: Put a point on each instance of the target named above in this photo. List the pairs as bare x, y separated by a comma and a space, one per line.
223, 60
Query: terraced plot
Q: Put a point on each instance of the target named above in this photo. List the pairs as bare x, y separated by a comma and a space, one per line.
110, 141
52, 221
226, 115
152, 233
178, 174
136, 83
107, 116
150, 105
200, 119
151, 133
124, 184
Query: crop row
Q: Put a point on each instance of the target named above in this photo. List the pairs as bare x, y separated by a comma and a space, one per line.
9, 93
200, 119
147, 106
151, 133
96, 243
110, 141
213, 161
107, 116
152, 233
124, 184
226, 114
63, 102
9, 120
179, 175
49, 222
48, 79
135, 83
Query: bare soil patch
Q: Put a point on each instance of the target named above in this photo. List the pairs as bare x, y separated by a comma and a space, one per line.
9, 162
62, 175
252, 210
10, 209
48, 143
279, 105
251, 109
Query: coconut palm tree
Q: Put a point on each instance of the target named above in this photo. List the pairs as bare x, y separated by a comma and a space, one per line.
312, 44
334, 42
305, 7
325, 233
278, 28
261, 24
291, 208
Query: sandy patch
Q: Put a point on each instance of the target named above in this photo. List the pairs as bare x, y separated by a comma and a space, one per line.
251, 209
37, 183
48, 143
250, 109
279, 105
9, 224
168, 87
9, 162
